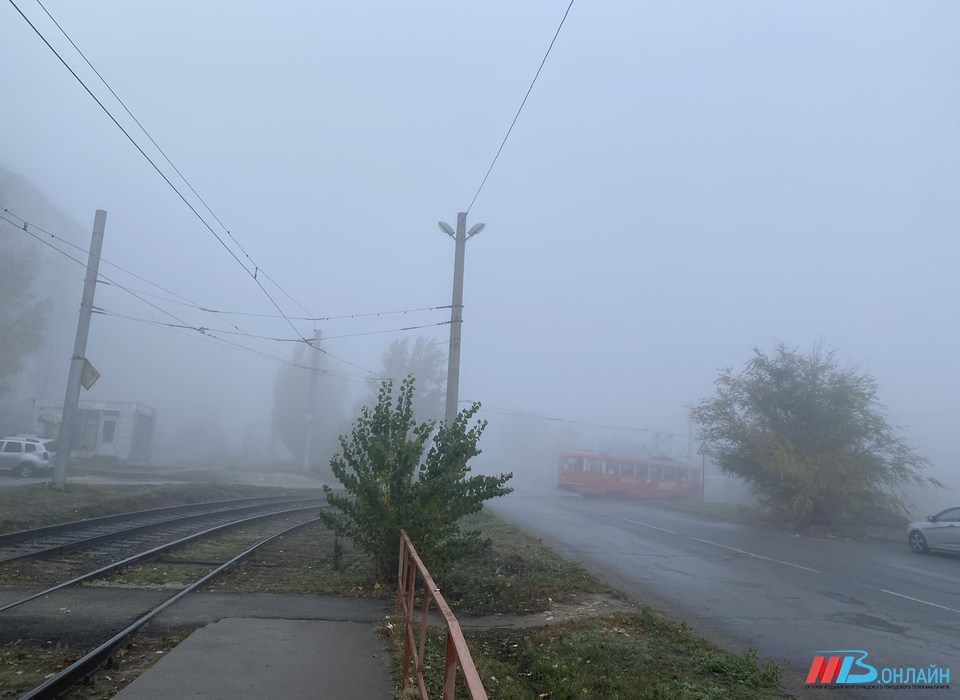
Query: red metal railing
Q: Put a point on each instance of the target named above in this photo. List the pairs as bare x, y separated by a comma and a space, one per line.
457, 653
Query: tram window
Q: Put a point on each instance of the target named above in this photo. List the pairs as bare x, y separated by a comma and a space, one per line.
669, 475
641, 471
595, 465
684, 475
574, 463
626, 469
613, 467
653, 473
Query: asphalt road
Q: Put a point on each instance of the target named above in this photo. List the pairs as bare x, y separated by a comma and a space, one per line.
785, 595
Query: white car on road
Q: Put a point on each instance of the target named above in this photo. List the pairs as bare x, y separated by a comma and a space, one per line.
940, 531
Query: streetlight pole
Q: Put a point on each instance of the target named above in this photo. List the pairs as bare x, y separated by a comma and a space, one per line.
460, 237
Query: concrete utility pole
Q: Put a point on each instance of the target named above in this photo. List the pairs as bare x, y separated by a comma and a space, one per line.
311, 400
71, 401
456, 311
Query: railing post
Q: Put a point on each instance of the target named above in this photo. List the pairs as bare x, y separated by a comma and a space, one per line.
450, 669
456, 652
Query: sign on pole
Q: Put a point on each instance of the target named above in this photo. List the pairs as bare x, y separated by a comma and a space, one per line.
89, 376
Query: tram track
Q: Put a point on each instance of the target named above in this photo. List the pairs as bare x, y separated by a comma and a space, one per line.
56, 684
75, 555
67, 537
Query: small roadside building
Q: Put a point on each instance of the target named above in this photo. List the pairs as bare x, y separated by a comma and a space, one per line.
122, 430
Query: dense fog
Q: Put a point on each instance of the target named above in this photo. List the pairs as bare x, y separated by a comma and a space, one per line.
685, 182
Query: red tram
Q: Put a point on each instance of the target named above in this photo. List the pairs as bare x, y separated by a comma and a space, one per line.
596, 473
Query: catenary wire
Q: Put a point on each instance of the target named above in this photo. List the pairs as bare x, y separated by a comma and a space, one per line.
26, 225
166, 179
267, 337
181, 324
206, 334
108, 282
184, 301
517, 115
163, 153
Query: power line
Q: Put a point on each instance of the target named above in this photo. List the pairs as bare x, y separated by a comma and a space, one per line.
517, 115
256, 270
245, 334
104, 280
25, 226
86, 267
181, 324
184, 301
206, 334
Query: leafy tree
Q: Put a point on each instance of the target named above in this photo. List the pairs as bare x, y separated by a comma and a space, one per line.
808, 437
427, 362
391, 485
291, 402
22, 316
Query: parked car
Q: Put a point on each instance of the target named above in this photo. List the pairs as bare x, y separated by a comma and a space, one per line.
940, 531
50, 444
25, 455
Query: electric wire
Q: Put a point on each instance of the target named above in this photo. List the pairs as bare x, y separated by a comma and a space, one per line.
25, 225
206, 334
88, 269
163, 153
103, 280
517, 115
267, 337
181, 323
166, 179
184, 301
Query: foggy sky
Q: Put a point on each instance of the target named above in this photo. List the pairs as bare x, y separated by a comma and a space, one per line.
687, 181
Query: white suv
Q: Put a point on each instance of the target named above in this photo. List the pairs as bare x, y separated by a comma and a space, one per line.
25, 456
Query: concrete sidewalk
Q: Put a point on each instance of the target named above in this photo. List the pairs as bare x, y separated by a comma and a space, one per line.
263, 646
259, 658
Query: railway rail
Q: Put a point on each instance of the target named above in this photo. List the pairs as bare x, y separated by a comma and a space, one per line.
59, 683
167, 523
85, 534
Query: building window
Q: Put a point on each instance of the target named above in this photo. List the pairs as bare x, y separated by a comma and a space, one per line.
109, 428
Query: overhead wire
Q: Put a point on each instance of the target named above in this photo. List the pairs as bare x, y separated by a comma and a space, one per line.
25, 226
181, 325
520, 109
184, 301
206, 333
267, 337
166, 179
104, 280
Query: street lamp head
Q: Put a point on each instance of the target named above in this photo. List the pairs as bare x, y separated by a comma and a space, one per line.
475, 229
446, 228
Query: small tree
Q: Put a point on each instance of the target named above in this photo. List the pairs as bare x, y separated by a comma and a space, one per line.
808, 437
391, 485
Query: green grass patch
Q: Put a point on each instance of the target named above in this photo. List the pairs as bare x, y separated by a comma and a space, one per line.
637, 656
515, 573
310, 561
